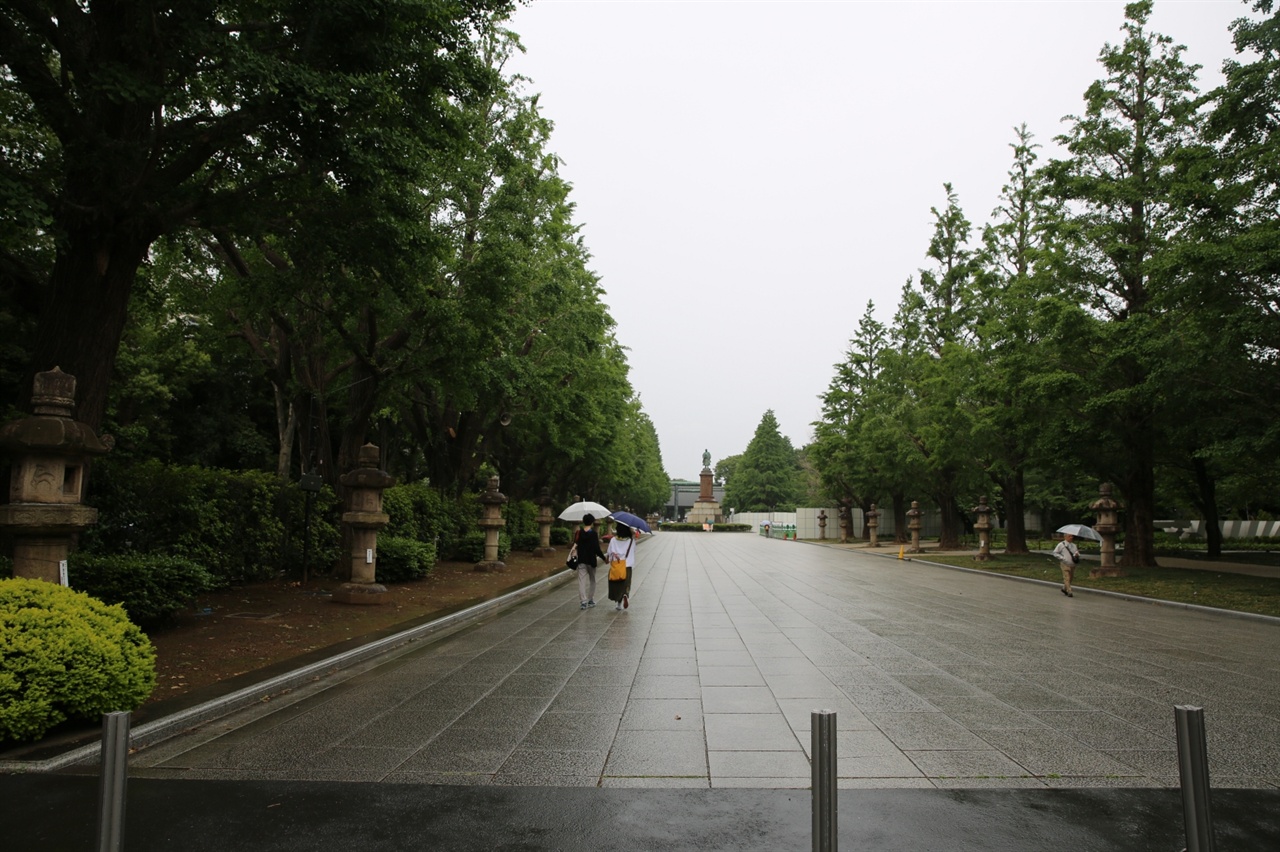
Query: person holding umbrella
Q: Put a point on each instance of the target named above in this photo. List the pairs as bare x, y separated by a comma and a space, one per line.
621, 549
1069, 556
586, 550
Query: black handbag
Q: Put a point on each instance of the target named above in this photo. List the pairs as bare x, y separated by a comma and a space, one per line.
571, 561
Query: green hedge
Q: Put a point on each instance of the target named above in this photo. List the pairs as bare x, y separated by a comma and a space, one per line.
471, 548
241, 526
403, 559
417, 511
151, 587
65, 655
522, 521
731, 528
525, 542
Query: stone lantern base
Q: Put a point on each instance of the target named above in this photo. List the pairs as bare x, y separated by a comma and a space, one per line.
490, 566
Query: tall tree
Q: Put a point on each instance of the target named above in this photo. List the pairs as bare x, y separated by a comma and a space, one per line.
848, 447
1122, 213
768, 478
1227, 356
1010, 410
934, 330
148, 120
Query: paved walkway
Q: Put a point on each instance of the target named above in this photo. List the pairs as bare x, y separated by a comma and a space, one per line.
939, 678
943, 681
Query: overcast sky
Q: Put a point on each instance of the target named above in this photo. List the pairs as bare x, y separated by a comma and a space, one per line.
749, 175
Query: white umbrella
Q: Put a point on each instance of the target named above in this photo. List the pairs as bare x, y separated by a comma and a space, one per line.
1080, 531
585, 507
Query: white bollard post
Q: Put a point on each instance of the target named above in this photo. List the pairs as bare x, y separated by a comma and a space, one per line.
823, 746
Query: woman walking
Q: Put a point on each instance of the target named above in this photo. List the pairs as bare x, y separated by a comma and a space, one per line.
586, 549
622, 548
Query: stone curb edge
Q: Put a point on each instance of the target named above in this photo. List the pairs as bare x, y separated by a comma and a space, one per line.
158, 730
1212, 610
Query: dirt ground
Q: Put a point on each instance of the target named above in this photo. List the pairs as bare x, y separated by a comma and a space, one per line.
231, 632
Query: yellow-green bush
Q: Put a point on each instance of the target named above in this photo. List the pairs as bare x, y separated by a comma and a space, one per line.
65, 655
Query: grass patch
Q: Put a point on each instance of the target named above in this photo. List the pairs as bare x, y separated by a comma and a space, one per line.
1240, 592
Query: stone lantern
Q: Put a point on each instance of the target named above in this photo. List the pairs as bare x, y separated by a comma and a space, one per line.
544, 525
822, 525
846, 520
983, 526
364, 517
1107, 511
492, 521
50, 454
913, 524
873, 525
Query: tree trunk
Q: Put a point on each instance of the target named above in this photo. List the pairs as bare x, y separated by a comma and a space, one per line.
901, 535
1206, 487
865, 506
286, 429
1013, 494
1139, 518
84, 316
949, 535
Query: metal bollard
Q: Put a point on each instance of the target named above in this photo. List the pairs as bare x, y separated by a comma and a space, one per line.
111, 787
1193, 769
823, 746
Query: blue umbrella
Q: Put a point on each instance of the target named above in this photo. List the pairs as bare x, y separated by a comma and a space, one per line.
634, 521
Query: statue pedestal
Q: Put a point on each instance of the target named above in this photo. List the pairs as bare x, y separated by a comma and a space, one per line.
707, 509
705, 513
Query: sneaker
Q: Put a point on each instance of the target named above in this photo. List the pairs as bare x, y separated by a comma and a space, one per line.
618, 608
591, 603
626, 601
582, 605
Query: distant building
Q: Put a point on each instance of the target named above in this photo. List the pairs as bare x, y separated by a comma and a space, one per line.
684, 493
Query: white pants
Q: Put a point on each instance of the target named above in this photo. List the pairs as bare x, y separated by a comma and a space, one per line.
586, 582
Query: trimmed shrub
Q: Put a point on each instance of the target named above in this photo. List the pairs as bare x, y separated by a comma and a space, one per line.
65, 655
561, 535
403, 559
522, 520
471, 547
420, 512
402, 504
730, 528
151, 587
525, 541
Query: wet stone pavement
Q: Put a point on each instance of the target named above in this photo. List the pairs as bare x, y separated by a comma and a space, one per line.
940, 679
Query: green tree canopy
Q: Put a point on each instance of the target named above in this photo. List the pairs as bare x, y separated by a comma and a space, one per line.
768, 478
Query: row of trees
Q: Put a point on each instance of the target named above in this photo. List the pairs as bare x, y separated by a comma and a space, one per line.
262, 234
1117, 319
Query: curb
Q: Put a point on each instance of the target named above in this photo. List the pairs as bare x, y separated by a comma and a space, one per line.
1209, 610
158, 730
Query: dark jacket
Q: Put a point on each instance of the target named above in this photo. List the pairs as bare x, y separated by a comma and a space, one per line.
588, 543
